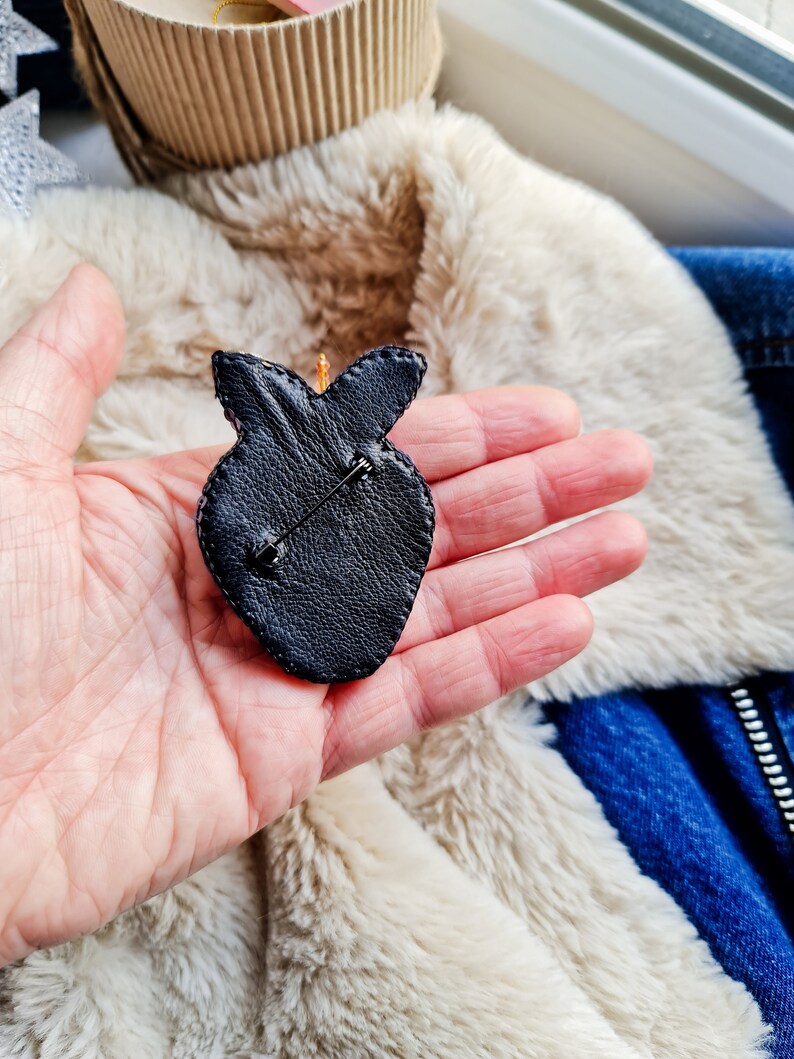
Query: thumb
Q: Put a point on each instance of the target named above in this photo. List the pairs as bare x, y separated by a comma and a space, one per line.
55, 367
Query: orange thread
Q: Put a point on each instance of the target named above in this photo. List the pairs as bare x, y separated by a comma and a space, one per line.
323, 367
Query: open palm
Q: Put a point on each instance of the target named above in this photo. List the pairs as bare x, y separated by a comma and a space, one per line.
143, 730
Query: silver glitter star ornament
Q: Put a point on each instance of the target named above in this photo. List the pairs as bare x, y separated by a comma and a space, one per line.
27, 162
17, 37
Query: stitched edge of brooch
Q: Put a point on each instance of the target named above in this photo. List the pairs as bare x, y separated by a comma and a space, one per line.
388, 449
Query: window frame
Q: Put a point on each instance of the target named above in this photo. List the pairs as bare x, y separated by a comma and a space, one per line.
726, 50
647, 87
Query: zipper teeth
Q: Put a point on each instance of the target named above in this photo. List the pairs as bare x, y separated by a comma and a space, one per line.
772, 758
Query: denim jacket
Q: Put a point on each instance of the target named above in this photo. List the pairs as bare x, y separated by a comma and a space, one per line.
699, 781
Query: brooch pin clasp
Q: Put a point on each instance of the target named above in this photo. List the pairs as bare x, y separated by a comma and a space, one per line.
268, 553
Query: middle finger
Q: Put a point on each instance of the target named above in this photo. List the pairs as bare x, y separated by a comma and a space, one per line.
503, 502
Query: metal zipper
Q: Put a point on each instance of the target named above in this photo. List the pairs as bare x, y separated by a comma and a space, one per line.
769, 748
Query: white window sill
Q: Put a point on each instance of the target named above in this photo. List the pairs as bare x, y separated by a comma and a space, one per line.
730, 139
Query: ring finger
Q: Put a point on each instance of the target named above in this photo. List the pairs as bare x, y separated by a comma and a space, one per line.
573, 561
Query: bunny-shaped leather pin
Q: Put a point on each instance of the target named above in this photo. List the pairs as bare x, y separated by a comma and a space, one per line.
316, 528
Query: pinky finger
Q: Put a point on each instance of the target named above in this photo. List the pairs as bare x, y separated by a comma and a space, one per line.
444, 679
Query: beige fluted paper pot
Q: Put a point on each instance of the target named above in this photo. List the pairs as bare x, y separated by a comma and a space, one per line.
181, 93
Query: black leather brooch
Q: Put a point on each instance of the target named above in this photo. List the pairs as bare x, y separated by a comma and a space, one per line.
317, 529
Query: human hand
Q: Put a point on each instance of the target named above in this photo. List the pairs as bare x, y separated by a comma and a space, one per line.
143, 730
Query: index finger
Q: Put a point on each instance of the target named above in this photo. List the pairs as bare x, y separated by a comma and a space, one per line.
448, 435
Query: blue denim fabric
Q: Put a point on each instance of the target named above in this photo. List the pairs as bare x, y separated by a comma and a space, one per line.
752, 291
674, 770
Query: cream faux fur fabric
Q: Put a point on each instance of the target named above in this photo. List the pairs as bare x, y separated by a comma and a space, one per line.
464, 896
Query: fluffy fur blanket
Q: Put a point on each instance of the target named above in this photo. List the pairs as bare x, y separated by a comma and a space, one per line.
462, 897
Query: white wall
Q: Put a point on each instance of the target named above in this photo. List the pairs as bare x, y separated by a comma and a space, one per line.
679, 196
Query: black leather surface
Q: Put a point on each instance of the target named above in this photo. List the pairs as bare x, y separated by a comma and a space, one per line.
335, 604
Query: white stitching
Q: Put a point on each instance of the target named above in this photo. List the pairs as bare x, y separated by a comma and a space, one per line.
387, 450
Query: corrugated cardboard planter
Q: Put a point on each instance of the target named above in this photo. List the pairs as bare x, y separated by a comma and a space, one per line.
184, 95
